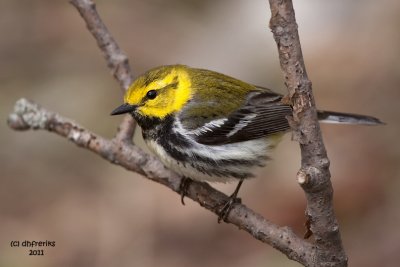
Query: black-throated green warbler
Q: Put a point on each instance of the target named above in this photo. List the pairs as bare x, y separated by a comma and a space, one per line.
208, 126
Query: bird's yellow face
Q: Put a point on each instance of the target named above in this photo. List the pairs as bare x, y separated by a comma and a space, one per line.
160, 92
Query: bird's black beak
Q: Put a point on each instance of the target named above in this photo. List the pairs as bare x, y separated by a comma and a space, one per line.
124, 108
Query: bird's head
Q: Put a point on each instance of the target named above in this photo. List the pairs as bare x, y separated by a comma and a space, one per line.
157, 93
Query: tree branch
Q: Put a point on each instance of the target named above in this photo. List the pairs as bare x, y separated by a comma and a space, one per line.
28, 115
314, 175
116, 59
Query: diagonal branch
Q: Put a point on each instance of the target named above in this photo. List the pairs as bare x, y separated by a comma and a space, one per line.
116, 59
28, 115
314, 175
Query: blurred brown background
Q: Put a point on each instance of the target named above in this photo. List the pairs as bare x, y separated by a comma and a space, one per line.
101, 215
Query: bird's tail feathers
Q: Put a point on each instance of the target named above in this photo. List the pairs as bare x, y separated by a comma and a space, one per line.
347, 118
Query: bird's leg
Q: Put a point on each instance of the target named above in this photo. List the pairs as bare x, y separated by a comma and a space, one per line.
233, 199
183, 187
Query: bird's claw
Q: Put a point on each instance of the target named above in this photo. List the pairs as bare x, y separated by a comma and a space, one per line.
227, 207
183, 188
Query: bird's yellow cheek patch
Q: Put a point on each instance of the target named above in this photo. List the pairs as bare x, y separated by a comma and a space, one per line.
169, 99
183, 92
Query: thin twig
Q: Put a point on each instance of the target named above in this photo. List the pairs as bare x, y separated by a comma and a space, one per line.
28, 115
116, 59
314, 174
125, 130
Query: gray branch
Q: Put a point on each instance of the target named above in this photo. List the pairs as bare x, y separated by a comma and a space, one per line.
116, 59
314, 175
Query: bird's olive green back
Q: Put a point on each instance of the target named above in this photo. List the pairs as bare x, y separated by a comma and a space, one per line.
214, 96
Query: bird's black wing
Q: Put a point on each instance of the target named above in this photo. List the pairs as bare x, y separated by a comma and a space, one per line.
262, 115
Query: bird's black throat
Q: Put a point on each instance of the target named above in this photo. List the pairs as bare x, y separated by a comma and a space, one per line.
148, 123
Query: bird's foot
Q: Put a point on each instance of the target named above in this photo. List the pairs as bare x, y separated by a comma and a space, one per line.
233, 199
183, 188
226, 209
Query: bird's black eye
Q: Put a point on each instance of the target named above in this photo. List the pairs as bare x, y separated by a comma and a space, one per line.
151, 94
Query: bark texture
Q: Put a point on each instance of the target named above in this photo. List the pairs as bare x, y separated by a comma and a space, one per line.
314, 175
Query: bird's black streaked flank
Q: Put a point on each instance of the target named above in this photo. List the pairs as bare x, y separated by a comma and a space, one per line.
208, 126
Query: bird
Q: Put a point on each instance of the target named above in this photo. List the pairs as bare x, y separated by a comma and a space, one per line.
208, 126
